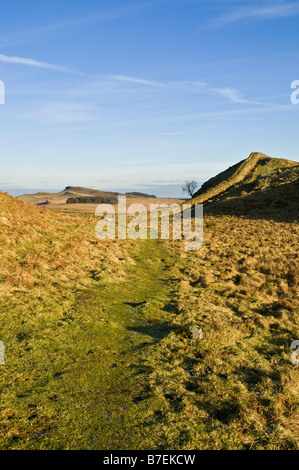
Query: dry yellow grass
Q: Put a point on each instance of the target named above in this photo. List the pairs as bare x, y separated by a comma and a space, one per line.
90, 208
236, 388
40, 249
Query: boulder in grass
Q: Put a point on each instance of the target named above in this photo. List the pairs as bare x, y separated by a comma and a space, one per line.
196, 332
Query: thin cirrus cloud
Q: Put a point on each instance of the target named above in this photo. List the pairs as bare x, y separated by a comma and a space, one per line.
194, 86
235, 96
45, 31
231, 94
35, 63
270, 11
140, 81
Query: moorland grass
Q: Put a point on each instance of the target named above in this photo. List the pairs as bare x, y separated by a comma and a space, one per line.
99, 353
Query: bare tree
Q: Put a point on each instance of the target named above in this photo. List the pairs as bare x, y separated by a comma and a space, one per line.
190, 187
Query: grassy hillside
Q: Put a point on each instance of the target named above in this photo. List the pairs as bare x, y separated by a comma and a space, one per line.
236, 388
41, 249
259, 186
73, 330
49, 264
99, 335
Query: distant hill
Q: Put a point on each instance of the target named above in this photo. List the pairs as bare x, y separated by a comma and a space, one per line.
258, 186
141, 195
75, 193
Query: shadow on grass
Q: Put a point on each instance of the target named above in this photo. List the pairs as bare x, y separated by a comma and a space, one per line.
225, 411
170, 308
278, 203
151, 328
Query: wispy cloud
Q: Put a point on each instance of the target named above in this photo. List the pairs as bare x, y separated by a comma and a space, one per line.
272, 10
45, 31
140, 81
35, 63
231, 94
185, 85
235, 96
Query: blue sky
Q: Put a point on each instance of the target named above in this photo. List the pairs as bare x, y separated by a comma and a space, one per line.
142, 95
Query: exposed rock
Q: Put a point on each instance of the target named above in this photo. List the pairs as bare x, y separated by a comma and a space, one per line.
196, 332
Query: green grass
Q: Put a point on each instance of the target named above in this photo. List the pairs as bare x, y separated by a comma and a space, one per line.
74, 372
99, 353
